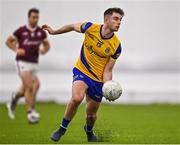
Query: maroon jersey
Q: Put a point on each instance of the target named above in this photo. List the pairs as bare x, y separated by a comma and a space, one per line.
29, 40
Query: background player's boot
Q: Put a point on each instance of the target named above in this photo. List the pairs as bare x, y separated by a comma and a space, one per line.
11, 107
90, 135
58, 134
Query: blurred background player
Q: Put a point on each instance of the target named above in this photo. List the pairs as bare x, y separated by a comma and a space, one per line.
28, 42
99, 52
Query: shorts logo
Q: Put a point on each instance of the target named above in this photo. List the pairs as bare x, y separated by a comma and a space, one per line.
74, 77
97, 96
81, 76
107, 50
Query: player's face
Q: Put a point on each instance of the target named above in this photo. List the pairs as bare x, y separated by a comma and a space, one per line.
114, 21
33, 19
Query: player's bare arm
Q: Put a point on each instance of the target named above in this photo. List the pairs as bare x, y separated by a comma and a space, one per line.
67, 28
11, 42
45, 47
107, 75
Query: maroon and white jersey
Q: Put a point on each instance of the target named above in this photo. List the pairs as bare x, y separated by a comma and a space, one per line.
29, 39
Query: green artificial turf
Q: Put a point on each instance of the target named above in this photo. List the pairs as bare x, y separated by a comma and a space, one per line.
121, 124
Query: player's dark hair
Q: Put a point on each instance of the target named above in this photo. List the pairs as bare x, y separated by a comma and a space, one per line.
32, 10
110, 11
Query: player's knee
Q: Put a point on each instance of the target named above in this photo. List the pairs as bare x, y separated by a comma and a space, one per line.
21, 92
29, 88
76, 99
91, 117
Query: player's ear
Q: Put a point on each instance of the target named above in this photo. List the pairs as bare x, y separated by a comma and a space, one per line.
106, 18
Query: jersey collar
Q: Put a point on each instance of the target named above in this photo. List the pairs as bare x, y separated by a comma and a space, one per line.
105, 37
30, 28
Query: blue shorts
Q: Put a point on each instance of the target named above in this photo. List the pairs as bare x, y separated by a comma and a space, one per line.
94, 90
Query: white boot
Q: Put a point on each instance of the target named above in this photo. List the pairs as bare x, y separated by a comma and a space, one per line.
10, 107
10, 111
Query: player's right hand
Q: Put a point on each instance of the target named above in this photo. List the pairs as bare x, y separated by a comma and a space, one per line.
47, 28
20, 52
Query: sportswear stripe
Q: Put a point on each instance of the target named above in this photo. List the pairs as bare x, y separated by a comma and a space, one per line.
83, 60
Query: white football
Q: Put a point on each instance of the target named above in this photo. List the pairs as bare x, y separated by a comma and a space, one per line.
112, 90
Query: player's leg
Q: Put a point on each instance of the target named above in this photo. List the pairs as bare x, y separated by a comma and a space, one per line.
27, 79
36, 86
91, 111
93, 98
78, 92
14, 99
17, 95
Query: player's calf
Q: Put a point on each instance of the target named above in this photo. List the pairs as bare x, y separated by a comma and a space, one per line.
69, 114
32, 116
11, 106
78, 93
90, 120
36, 86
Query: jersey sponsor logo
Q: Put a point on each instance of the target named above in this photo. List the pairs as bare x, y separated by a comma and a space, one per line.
91, 36
91, 51
29, 42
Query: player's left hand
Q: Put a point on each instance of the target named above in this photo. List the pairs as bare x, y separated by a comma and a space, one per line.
42, 51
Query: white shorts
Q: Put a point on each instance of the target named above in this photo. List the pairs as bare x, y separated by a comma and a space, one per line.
22, 66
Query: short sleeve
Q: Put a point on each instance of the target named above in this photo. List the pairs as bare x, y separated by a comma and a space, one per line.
117, 53
85, 26
17, 33
44, 35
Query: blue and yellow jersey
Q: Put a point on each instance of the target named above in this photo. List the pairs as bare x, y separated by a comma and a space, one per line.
96, 51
